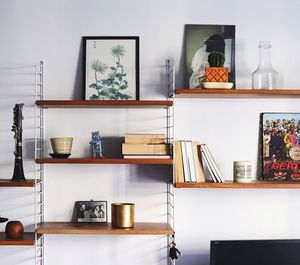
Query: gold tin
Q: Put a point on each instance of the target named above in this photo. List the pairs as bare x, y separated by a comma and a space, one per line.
122, 215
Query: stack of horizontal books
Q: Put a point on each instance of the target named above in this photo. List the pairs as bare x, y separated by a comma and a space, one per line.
145, 146
193, 162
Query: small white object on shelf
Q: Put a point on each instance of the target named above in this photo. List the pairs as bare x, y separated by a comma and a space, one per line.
217, 85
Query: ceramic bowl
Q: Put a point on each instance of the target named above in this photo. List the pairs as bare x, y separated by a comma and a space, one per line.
62, 145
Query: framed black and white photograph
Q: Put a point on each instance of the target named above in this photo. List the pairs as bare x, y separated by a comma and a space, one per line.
111, 68
91, 211
200, 42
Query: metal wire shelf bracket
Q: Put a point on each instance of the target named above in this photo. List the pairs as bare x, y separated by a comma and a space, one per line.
30, 77
170, 78
170, 88
39, 168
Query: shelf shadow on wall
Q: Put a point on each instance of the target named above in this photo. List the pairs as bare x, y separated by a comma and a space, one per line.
160, 173
29, 149
179, 76
78, 82
112, 147
259, 159
74, 214
194, 259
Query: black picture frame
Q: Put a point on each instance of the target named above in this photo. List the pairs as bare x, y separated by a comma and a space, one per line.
119, 79
91, 211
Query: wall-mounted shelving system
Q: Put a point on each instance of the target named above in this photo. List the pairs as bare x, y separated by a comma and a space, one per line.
146, 228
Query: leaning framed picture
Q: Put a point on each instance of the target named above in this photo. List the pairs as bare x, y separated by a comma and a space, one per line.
280, 146
91, 211
111, 68
209, 55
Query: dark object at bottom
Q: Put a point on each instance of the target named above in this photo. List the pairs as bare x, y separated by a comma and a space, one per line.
3, 219
59, 155
18, 175
14, 230
173, 253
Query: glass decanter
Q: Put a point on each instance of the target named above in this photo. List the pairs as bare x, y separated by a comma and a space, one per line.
265, 77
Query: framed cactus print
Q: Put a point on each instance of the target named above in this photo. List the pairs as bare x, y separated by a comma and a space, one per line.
111, 68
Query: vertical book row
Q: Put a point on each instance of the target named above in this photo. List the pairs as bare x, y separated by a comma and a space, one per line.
194, 163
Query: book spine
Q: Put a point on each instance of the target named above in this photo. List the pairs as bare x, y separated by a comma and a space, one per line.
191, 162
215, 168
198, 164
145, 149
145, 140
208, 166
128, 135
187, 175
179, 174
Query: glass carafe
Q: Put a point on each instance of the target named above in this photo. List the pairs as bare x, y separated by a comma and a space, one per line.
265, 77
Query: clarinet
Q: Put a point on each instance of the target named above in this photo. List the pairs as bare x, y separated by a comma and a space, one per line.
17, 129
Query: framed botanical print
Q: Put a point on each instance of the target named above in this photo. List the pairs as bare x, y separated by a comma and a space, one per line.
111, 68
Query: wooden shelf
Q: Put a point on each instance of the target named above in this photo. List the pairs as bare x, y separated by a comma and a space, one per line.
234, 185
249, 93
27, 240
104, 229
9, 183
104, 103
87, 160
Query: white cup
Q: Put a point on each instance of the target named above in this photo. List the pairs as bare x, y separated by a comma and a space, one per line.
242, 171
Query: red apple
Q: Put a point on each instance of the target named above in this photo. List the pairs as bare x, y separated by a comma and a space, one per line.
14, 229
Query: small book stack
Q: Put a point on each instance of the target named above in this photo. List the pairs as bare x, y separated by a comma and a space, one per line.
193, 162
145, 146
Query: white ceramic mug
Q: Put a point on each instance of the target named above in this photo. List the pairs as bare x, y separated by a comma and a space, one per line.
242, 171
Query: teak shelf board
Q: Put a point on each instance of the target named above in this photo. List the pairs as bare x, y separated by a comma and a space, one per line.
104, 103
104, 229
87, 160
235, 185
9, 183
235, 92
27, 240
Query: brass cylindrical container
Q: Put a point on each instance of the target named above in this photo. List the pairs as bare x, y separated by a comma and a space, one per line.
122, 215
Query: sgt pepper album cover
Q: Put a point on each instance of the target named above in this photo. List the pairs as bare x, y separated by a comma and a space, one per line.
280, 137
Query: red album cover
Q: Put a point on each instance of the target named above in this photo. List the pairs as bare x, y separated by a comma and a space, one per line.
280, 138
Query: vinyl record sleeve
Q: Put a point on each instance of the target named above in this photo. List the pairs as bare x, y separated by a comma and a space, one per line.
280, 146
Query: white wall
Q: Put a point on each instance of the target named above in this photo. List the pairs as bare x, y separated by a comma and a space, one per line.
51, 30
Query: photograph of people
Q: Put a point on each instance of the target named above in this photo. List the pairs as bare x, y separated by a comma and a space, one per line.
99, 211
91, 211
